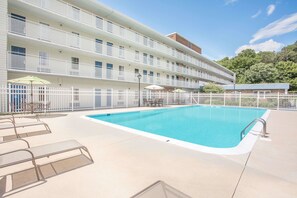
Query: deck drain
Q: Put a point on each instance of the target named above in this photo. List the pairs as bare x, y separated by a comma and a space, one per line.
167, 140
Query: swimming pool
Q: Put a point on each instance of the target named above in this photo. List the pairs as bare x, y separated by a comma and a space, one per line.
210, 126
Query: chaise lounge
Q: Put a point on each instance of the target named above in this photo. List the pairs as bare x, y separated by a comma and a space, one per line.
9, 122
28, 154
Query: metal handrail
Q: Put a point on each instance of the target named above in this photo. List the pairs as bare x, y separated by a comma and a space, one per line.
242, 134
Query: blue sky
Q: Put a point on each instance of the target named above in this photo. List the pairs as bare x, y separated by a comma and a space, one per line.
220, 27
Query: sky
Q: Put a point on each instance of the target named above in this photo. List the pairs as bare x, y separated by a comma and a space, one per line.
220, 27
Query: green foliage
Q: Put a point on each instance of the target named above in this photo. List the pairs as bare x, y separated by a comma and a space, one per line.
212, 88
265, 67
261, 73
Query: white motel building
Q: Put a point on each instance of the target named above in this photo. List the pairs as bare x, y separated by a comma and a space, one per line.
84, 44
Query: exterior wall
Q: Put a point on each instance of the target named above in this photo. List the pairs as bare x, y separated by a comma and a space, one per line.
3, 41
185, 42
61, 53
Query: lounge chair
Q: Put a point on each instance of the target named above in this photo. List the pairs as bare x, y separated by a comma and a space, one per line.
27, 154
160, 189
9, 122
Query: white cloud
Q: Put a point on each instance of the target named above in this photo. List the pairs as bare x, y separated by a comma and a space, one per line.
227, 2
257, 14
279, 27
270, 9
269, 45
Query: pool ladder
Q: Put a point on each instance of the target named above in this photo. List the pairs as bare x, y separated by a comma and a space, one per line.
242, 134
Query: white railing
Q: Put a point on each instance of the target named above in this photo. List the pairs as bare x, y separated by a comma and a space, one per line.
15, 98
39, 31
36, 64
87, 18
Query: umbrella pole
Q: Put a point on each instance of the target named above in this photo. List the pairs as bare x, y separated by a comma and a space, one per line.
31, 98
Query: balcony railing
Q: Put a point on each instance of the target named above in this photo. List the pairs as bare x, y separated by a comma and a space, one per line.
87, 18
39, 31
36, 64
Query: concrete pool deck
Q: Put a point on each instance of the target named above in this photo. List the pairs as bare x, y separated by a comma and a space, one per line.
126, 163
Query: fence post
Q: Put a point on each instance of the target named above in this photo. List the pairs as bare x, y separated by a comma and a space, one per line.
9, 98
127, 98
44, 101
94, 98
239, 99
112, 99
257, 99
224, 98
167, 95
210, 98
72, 98
191, 98
198, 97
277, 100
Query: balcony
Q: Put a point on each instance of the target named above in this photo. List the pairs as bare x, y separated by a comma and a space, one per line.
40, 32
36, 64
74, 13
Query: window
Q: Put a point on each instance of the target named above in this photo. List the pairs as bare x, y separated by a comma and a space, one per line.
75, 40
151, 60
109, 68
137, 55
151, 77
109, 49
98, 46
121, 95
167, 65
44, 31
122, 31
122, 52
109, 26
121, 72
75, 13
43, 58
144, 58
145, 40
18, 24
74, 63
151, 43
99, 22
76, 94
158, 61
137, 37
98, 69
136, 72
43, 62
41, 94
144, 75
18, 58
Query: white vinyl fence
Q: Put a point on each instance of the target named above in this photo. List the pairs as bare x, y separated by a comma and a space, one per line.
17, 98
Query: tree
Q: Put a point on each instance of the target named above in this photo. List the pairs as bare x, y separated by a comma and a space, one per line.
212, 88
287, 72
261, 73
288, 53
267, 57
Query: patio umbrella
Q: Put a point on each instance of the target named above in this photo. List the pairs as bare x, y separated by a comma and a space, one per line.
30, 80
154, 87
179, 91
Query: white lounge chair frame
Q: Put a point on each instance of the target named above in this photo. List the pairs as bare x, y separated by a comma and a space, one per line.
13, 125
39, 152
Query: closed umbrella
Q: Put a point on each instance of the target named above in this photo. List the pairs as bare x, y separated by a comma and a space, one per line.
30, 80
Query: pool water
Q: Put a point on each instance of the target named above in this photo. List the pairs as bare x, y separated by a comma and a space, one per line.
218, 127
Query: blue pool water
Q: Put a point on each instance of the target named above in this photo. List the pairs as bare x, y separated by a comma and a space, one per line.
217, 127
